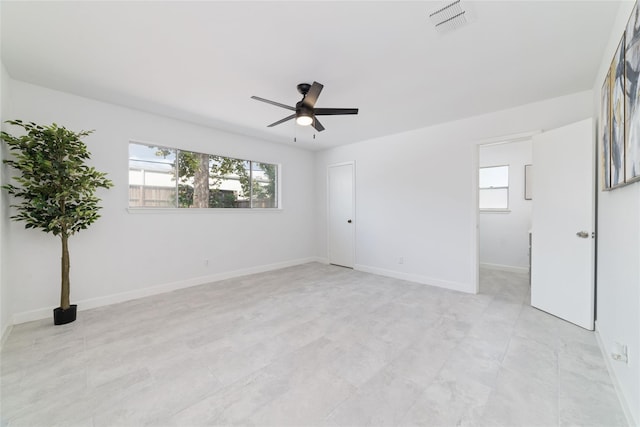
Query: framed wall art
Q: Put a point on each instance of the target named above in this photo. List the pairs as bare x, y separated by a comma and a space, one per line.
605, 132
632, 97
528, 180
617, 116
618, 127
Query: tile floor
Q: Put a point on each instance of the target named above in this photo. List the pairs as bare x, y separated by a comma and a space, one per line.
312, 345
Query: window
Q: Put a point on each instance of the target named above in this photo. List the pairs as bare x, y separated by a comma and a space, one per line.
170, 178
151, 177
494, 188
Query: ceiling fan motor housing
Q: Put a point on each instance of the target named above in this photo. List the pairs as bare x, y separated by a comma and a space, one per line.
303, 110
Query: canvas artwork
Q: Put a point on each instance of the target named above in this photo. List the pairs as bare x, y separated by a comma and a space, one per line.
605, 131
617, 117
632, 97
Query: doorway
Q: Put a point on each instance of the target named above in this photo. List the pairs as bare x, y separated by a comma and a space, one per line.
504, 207
561, 222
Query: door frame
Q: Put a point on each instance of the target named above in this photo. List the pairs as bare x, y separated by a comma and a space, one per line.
351, 163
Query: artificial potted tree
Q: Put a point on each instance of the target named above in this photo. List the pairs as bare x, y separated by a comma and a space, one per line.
56, 190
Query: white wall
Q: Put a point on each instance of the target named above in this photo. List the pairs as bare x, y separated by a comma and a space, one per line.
504, 237
5, 310
125, 255
618, 279
416, 192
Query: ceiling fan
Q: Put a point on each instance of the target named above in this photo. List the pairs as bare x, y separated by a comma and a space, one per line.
305, 112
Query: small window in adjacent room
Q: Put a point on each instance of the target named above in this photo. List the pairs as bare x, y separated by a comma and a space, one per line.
494, 188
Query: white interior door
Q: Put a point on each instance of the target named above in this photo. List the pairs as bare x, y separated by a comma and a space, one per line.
562, 257
341, 227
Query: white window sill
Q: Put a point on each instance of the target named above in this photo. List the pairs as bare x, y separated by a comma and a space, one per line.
198, 211
499, 211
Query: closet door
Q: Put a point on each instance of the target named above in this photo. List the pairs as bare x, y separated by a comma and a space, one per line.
341, 207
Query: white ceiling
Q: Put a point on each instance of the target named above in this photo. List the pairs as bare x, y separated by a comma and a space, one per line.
201, 61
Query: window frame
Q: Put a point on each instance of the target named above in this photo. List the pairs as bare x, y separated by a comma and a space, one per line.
277, 197
480, 188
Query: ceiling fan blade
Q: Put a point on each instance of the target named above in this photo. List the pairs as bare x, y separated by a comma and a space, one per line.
334, 111
317, 125
312, 96
281, 121
277, 104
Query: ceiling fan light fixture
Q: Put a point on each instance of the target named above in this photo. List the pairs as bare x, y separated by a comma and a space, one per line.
304, 120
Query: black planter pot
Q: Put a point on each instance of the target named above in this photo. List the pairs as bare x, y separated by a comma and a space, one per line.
62, 317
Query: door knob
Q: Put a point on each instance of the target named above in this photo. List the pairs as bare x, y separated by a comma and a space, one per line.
349, 221
582, 234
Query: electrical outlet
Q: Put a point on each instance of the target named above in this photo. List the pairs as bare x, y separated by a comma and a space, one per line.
619, 353
401, 260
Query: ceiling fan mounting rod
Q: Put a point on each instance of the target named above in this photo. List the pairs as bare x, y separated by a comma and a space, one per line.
303, 88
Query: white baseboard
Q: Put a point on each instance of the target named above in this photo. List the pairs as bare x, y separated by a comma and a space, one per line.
614, 379
508, 268
455, 286
43, 313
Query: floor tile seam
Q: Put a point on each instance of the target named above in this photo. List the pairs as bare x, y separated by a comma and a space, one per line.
286, 351
54, 405
264, 404
359, 387
511, 335
514, 332
383, 339
551, 351
521, 316
187, 405
499, 359
493, 394
337, 406
264, 335
345, 400
604, 381
10, 370
196, 318
27, 382
138, 353
251, 375
7, 350
418, 397
535, 381
396, 297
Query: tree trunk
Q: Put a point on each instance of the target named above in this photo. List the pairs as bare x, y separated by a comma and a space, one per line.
201, 182
64, 288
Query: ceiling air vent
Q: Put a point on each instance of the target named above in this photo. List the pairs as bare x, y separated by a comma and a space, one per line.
450, 15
